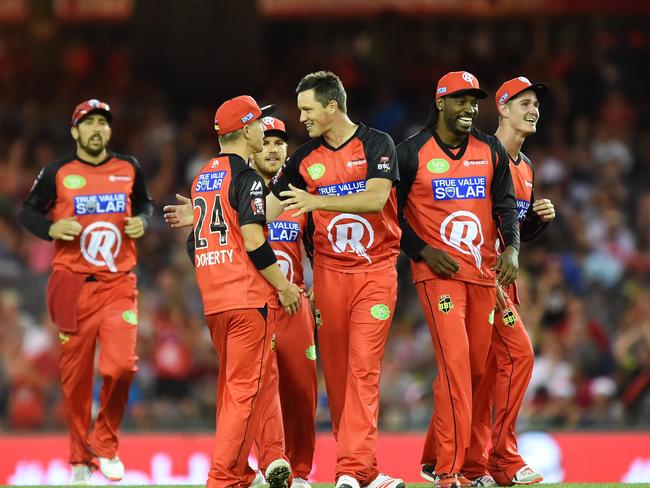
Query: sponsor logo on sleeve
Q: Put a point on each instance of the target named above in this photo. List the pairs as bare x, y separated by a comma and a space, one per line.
343, 188
105, 203
210, 181
257, 189
384, 164
468, 188
257, 205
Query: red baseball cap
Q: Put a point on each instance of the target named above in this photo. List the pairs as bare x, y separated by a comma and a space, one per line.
88, 107
511, 88
458, 83
274, 127
235, 113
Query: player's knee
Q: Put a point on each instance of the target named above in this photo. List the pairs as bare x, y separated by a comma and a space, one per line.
118, 370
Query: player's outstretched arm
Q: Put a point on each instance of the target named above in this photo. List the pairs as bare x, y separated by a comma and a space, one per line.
181, 215
263, 257
371, 200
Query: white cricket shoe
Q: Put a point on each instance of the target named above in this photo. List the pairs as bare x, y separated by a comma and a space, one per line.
81, 474
278, 473
486, 481
384, 481
527, 476
346, 481
258, 481
300, 483
112, 469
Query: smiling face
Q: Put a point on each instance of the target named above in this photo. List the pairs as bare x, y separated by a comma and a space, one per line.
92, 134
271, 158
316, 117
522, 112
458, 113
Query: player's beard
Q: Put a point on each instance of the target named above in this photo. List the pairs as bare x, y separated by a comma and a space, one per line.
93, 150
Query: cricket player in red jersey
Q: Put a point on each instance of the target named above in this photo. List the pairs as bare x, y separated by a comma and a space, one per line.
510, 359
93, 204
457, 198
345, 177
294, 369
237, 272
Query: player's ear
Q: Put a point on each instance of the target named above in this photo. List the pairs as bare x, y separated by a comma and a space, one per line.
504, 110
74, 132
332, 106
439, 104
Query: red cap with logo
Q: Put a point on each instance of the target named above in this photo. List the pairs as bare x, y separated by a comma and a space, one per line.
511, 88
459, 83
88, 107
274, 127
235, 113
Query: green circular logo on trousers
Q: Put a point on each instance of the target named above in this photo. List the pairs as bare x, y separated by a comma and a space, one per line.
380, 311
130, 317
310, 352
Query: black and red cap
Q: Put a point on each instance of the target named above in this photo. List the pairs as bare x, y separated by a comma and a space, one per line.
235, 113
459, 83
511, 88
90, 107
274, 127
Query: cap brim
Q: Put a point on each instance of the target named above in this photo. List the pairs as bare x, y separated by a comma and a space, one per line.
277, 132
475, 92
267, 110
540, 89
105, 113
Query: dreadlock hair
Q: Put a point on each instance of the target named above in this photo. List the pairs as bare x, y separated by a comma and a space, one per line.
432, 118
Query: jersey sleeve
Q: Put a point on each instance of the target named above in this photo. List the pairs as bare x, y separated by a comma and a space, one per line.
381, 157
288, 173
247, 197
410, 242
532, 225
141, 201
504, 203
41, 198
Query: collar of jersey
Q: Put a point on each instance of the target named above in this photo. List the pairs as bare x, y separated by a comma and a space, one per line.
231, 155
353, 136
108, 158
448, 149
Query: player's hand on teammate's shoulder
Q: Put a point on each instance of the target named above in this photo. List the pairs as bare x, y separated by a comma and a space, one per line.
181, 215
544, 209
134, 227
440, 262
65, 229
297, 199
507, 266
290, 298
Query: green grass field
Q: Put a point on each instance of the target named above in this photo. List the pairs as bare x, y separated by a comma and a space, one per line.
409, 485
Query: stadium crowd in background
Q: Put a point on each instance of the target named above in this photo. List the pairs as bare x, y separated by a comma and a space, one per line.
584, 282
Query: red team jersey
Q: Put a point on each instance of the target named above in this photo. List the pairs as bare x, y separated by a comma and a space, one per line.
227, 194
344, 241
99, 197
453, 198
285, 235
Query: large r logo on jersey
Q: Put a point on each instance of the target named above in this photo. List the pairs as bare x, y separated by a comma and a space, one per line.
100, 244
351, 231
286, 264
462, 231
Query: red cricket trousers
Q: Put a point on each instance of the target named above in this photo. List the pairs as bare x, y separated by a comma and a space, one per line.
507, 375
459, 316
242, 340
356, 311
294, 374
107, 312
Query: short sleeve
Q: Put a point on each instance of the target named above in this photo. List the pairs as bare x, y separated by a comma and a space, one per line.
381, 157
289, 173
248, 198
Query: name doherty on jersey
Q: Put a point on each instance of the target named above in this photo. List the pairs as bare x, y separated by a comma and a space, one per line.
211, 258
